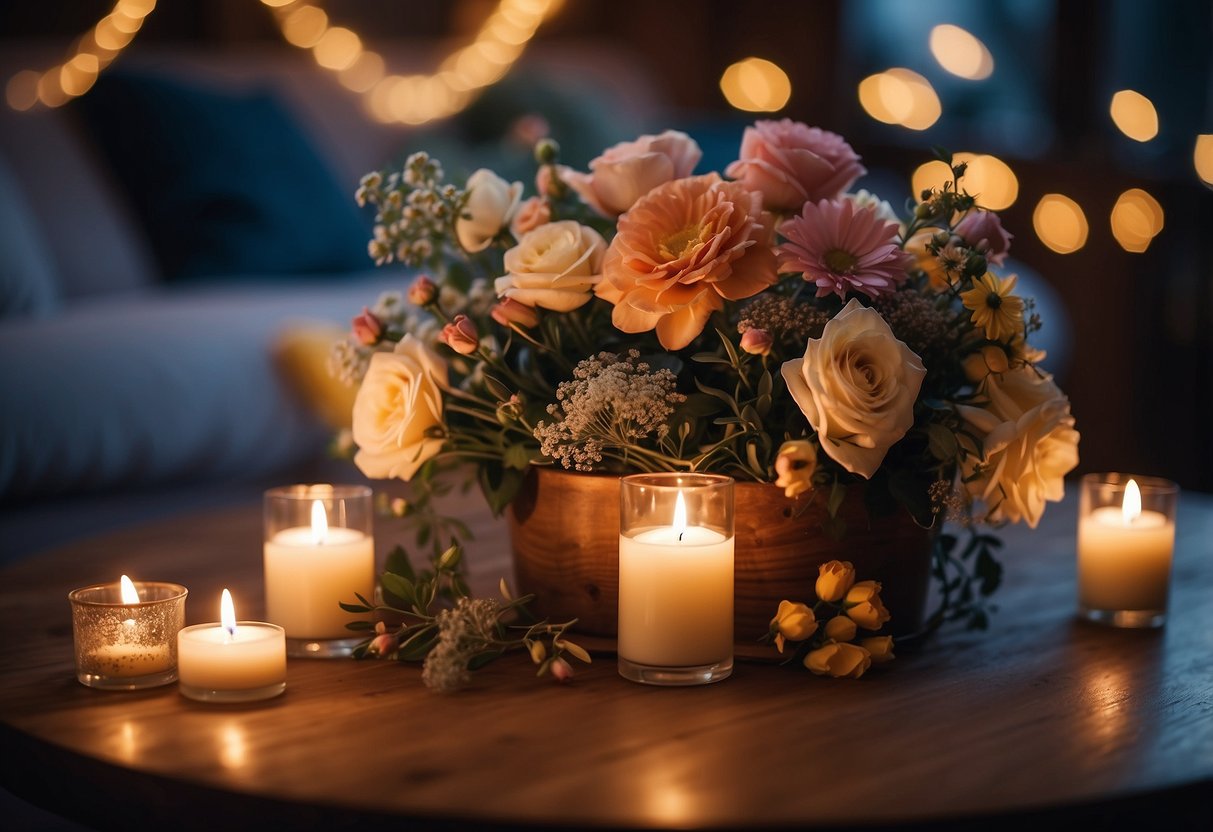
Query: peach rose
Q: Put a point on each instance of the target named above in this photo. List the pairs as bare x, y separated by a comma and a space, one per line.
680, 252
857, 386
629, 170
1029, 444
531, 214
398, 411
554, 267
791, 163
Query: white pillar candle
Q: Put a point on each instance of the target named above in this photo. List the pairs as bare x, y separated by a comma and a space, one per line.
1124, 556
309, 571
231, 661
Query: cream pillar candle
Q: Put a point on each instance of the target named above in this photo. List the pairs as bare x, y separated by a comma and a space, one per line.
231, 661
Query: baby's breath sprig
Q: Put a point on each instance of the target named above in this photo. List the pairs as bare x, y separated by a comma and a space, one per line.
415, 212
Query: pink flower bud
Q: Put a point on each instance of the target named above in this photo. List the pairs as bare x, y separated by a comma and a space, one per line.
757, 341
545, 182
509, 311
531, 214
561, 671
382, 645
461, 335
367, 328
422, 292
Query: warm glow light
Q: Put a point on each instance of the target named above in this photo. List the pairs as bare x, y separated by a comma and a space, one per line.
337, 48
233, 750
1134, 115
320, 522
304, 26
900, 96
50, 88
1136, 220
128, 592
274, 4
988, 178
1060, 223
960, 52
135, 8
21, 92
1130, 509
227, 613
680, 516
364, 73
1202, 157
756, 85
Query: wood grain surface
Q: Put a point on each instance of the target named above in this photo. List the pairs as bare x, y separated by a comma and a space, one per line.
1043, 716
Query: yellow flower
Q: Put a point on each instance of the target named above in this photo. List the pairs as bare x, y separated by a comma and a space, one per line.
796, 464
880, 647
994, 308
794, 622
839, 660
866, 609
841, 628
834, 580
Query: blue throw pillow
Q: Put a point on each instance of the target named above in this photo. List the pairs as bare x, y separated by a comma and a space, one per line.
226, 183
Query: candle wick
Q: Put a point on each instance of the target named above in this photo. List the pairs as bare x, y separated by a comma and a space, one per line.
680, 534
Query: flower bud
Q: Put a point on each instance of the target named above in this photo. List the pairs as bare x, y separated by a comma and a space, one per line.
398, 507
794, 622
547, 151
538, 652
561, 671
795, 466
834, 580
839, 660
423, 291
382, 645
880, 648
367, 328
757, 341
867, 610
531, 214
461, 335
509, 311
841, 628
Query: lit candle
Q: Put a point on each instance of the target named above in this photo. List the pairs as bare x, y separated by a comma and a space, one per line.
1124, 552
310, 569
126, 633
231, 661
675, 594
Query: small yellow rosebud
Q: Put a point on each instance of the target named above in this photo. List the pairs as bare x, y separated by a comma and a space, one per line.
795, 622
538, 652
841, 628
881, 648
834, 580
795, 465
867, 610
839, 660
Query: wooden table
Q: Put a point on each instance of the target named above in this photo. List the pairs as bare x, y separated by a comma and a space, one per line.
1044, 716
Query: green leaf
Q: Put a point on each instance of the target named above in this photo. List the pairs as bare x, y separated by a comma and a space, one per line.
496, 388
988, 571
360, 625
710, 358
719, 394
838, 493
400, 587
835, 528
481, 659
353, 607
420, 643
942, 442
398, 562
516, 456
729, 348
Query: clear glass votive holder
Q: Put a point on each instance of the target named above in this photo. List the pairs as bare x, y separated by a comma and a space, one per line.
122, 646
319, 550
1126, 539
244, 664
675, 578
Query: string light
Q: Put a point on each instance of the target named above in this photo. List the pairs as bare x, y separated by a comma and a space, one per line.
756, 85
900, 96
415, 99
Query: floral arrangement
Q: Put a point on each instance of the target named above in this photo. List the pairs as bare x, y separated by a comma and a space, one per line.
767, 323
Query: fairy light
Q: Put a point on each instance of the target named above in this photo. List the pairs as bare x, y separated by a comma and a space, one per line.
900, 96
419, 98
756, 85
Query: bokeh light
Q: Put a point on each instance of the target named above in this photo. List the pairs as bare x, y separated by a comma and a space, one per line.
1202, 157
1134, 115
1136, 220
756, 85
900, 96
961, 53
1060, 223
987, 177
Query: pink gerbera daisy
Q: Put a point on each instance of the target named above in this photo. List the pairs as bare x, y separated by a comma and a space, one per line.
843, 248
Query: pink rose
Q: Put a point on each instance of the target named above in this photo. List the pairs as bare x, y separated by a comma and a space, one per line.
367, 328
792, 163
629, 170
461, 335
423, 291
509, 311
984, 227
531, 214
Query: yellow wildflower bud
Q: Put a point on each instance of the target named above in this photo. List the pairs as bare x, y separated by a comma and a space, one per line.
795, 622
867, 610
538, 652
841, 628
839, 660
881, 648
834, 579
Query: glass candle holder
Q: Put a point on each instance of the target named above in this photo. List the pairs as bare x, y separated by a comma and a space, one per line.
676, 578
319, 551
127, 646
1126, 537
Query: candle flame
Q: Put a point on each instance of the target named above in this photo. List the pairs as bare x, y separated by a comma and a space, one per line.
129, 594
680, 516
1131, 507
227, 613
320, 523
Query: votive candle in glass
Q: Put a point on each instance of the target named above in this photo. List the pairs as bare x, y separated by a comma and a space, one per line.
676, 578
1126, 538
319, 551
232, 661
126, 633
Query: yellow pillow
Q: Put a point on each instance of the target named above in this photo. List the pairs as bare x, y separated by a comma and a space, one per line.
301, 351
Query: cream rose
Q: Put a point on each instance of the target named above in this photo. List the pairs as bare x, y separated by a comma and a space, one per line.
397, 406
857, 386
554, 267
491, 203
1029, 445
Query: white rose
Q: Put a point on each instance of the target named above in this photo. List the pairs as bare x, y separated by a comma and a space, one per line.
1029, 444
555, 266
400, 400
857, 386
491, 203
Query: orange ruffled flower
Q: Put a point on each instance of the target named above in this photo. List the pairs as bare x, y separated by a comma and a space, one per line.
681, 251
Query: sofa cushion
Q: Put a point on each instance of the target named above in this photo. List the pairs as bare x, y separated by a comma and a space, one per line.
28, 285
225, 181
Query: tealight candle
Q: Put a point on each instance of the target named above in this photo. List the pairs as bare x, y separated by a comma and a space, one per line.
126, 633
1126, 536
231, 661
676, 578
318, 551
